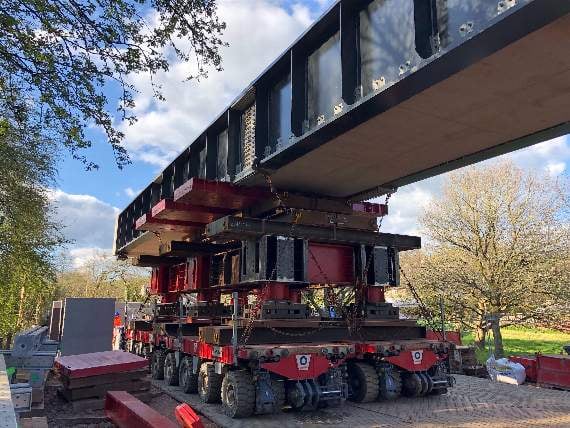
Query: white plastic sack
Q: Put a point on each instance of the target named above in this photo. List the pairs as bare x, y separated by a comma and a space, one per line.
503, 370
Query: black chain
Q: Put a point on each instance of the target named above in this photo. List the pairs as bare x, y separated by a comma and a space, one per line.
261, 297
355, 317
424, 310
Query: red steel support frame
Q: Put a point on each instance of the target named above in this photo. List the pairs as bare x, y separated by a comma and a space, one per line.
126, 411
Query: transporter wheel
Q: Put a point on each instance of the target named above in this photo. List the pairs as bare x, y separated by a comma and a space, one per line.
424, 383
238, 394
411, 385
209, 383
170, 369
363, 382
438, 391
157, 364
278, 388
186, 379
390, 385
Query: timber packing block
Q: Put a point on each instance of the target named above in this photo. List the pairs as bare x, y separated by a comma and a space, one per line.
99, 363
92, 375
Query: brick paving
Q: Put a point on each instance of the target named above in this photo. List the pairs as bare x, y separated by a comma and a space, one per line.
472, 403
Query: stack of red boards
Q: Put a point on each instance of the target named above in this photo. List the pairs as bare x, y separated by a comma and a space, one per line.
88, 376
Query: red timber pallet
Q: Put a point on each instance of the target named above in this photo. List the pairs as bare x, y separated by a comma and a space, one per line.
551, 371
99, 363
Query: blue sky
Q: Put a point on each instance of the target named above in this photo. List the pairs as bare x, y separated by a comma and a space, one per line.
86, 202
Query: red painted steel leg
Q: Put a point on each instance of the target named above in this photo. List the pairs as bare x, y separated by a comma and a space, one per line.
375, 294
295, 296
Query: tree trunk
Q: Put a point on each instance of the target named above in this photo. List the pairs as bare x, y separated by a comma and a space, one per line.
498, 340
480, 336
21, 307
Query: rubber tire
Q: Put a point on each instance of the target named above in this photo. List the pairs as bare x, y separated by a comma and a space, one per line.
387, 394
209, 383
424, 382
238, 394
278, 388
157, 365
186, 379
411, 385
171, 369
364, 382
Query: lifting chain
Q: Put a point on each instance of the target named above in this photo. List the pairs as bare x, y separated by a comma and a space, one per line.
305, 333
262, 296
254, 313
424, 310
355, 316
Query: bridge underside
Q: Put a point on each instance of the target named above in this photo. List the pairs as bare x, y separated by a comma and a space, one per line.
375, 95
514, 98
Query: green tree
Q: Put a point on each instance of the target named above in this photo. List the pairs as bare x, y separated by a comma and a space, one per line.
104, 276
60, 63
66, 56
498, 249
27, 236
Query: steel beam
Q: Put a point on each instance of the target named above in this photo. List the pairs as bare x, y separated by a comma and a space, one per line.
230, 228
183, 249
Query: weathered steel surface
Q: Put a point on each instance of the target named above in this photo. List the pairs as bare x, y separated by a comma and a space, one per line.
187, 249
29, 341
148, 223
553, 371
87, 325
98, 363
167, 209
55, 320
303, 331
218, 194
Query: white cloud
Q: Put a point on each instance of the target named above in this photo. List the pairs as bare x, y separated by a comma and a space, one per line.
258, 31
549, 156
556, 168
81, 256
130, 192
406, 205
88, 222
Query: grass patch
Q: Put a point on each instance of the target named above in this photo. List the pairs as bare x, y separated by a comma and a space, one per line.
525, 341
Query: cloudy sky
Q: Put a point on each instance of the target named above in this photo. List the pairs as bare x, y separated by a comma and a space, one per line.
257, 32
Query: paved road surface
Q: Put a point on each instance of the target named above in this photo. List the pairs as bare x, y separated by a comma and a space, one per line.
471, 403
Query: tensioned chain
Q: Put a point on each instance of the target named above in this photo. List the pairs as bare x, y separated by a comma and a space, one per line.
355, 317
424, 310
305, 333
262, 296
